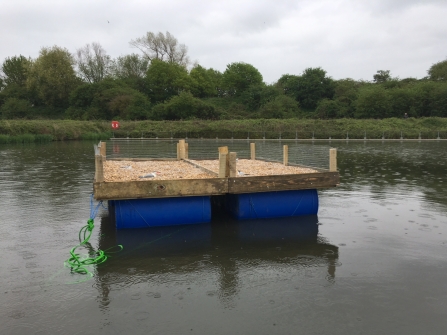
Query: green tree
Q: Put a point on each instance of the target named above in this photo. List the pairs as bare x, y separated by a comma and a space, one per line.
184, 106
422, 92
280, 107
393, 84
346, 90
430, 99
52, 76
15, 108
402, 100
216, 78
13, 76
164, 80
439, 100
313, 85
309, 88
204, 83
345, 95
289, 84
331, 109
129, 67
93, 63
408, 81
373, 102
162, 47
125, 103
107, 100
382, 76
256, 96
238, 77
14, 70
438, 71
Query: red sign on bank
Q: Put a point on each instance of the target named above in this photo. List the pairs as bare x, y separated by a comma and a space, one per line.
115, 124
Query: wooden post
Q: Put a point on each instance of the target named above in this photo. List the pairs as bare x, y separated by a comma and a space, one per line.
223, 165
102, 149
333, 160
181, 149
285, 153
223, 150
252, 151
99, 168
186, 150
232, 162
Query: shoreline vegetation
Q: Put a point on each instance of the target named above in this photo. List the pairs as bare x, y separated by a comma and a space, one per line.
30, 131
61, 96
160, 94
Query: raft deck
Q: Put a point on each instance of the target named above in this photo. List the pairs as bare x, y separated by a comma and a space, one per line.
127, 178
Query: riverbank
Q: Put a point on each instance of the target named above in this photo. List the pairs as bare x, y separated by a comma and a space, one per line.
24, 131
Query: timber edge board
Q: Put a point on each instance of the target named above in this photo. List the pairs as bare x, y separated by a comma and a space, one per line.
213, 186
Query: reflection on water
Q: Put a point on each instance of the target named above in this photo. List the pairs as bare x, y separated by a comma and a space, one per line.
372, 262
164, 254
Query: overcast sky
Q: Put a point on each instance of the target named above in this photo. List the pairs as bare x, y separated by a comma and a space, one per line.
347, 38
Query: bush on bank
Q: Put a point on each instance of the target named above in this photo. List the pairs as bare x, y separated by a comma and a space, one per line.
392, 128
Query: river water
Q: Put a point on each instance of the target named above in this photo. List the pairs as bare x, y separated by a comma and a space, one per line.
373, 261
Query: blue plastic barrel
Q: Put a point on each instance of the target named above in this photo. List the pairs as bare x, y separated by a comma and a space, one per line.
273, 204
138, 213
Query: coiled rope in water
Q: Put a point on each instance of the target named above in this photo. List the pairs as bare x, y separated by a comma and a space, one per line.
78, 263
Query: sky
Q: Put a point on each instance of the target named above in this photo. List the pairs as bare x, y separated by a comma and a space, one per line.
347, 38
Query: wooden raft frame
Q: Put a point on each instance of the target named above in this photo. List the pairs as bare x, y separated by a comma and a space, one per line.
222, 183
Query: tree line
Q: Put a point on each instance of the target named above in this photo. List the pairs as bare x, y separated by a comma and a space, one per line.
162, 84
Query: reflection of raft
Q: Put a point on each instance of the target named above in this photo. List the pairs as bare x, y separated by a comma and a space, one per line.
175, 199
158, 241
223, 248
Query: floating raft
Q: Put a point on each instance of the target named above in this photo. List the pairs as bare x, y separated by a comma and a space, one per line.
159, 192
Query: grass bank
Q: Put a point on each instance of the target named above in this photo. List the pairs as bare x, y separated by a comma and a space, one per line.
22, 131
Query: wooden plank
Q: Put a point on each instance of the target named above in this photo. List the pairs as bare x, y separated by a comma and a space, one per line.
142, 159
285, 155
159, 188
252, 151
332, 160
293, 164
202, 168
232, 164
186, 151
99, 168
253, 184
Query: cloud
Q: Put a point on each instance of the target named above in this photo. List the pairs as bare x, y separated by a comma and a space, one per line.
398, 6
347, 38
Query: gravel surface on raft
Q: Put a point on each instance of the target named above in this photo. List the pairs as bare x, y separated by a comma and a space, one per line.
164, 170
256, 167
123, 170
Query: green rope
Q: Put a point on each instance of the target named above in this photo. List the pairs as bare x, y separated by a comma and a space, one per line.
77, 263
